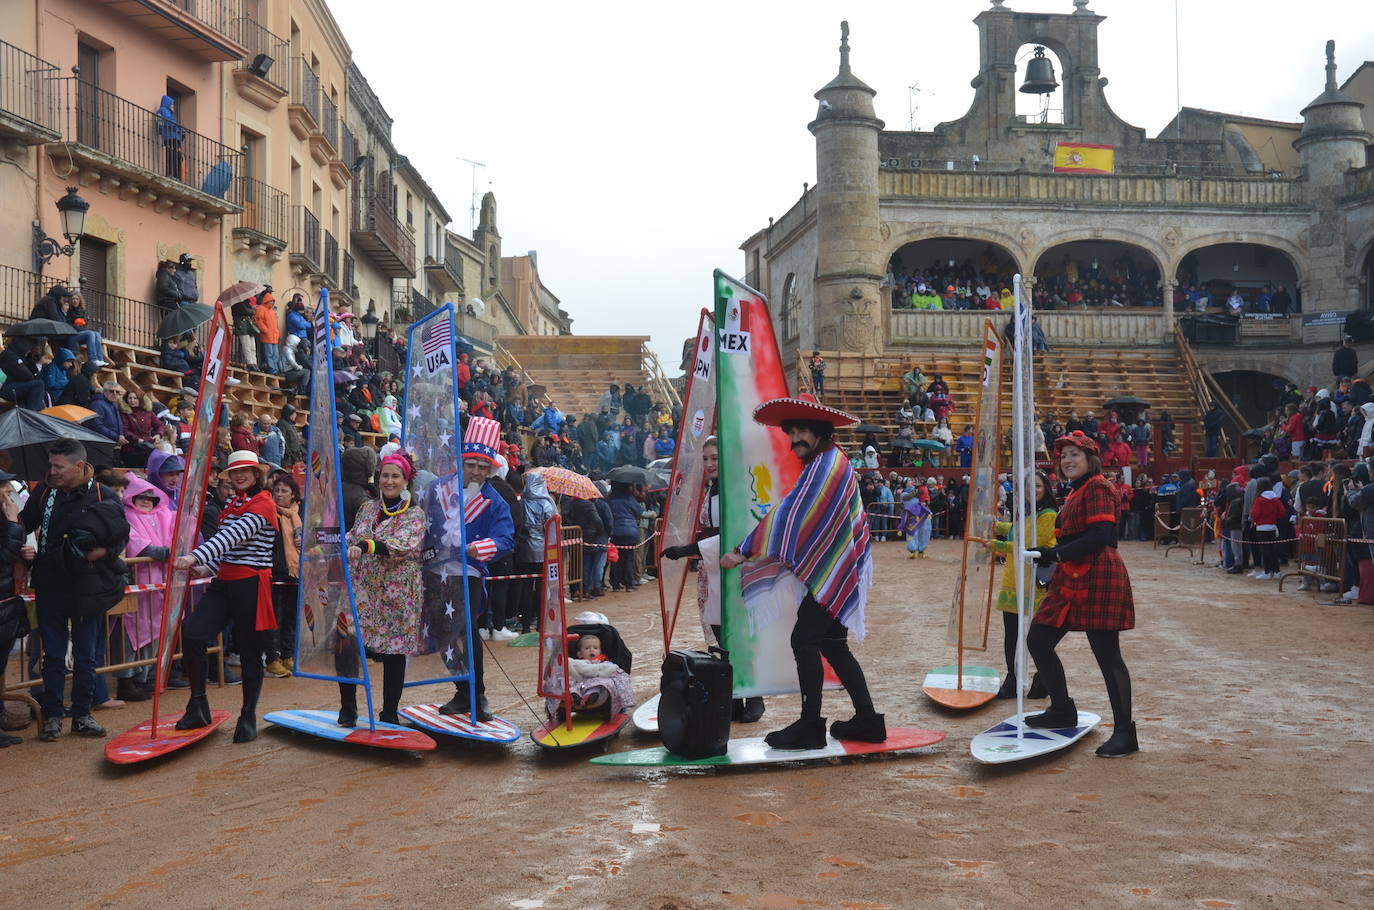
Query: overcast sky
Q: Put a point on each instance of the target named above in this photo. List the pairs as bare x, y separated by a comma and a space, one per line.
635, 149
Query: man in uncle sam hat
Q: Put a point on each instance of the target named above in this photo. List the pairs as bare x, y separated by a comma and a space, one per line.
490, 535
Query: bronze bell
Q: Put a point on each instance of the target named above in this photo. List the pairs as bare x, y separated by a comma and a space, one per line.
1039, 75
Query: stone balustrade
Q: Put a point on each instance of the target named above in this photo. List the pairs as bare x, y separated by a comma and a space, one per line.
1117, 329
1081, 189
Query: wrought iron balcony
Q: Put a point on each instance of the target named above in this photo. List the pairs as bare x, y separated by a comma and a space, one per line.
304, 109
379, 236
266, 215
120, 319
446, 274
189, 28
28, 104
331, 260
305, 241
147, 157
258, 40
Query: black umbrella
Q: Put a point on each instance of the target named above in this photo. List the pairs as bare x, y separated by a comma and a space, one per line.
869, 428
901, 442
46, 328
183, 319
1256, 432
628, 473
25, 436
1127, 401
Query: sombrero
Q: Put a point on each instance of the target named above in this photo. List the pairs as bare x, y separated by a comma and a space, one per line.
1079, 440
775, 412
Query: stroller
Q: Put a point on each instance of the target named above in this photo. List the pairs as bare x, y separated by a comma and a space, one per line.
606, 695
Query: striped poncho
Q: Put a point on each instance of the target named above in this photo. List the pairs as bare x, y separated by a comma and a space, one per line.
819, 534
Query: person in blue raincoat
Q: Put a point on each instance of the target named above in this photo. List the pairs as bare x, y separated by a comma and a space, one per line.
172, 134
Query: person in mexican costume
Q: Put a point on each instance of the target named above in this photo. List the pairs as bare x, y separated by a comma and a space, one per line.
817, 536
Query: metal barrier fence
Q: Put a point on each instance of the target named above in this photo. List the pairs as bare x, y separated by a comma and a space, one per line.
1321, 551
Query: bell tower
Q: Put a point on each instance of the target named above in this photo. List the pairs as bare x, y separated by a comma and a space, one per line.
849, 249
1333, 137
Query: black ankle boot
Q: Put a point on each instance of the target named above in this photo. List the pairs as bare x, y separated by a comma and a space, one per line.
247, 729
1122, 742
752, 710
348, 705
1057, 717
864, 728
197, 713
458, 704
389, 717
805, 733
1037, 688
1008, 687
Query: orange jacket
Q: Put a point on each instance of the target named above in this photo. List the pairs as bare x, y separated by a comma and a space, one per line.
265, 318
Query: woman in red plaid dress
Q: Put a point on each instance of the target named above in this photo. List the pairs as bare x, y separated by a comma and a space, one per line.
1089, 592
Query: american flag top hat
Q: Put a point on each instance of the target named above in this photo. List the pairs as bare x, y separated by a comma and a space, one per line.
481, 439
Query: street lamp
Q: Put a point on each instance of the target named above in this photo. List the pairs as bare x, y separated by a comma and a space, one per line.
72, 209
369, 328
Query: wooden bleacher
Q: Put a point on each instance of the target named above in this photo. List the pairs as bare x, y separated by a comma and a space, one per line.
1066, 380
576, 369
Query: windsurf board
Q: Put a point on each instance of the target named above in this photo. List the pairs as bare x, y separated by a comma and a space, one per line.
427, 717
586, 729
999, 744
645, 717
323, 724
754, 751
976, 687
137, 744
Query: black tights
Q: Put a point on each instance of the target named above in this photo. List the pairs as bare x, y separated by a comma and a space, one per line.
393, 682
817, 633
1106, 646
1009, 641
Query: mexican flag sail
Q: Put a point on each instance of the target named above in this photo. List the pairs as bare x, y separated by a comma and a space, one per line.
187, 527
686, 486
757, 468
328, 643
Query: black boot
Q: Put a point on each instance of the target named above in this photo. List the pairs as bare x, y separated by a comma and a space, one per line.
128, 690
484, 713
864, 728
1008, 688
458, 704
393, 683
1057, 717
804, 733
247, 729
1122, 742
752, 711
348, 705
1037, 688
198, 709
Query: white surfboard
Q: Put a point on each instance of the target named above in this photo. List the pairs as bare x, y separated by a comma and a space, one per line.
974, 688
999, 744
754, 751
645, 717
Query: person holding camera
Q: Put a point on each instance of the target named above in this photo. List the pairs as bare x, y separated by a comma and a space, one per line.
77, 577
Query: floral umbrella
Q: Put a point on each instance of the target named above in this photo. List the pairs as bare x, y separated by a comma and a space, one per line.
568, 483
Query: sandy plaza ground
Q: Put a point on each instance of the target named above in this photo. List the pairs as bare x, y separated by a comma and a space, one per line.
1252, 788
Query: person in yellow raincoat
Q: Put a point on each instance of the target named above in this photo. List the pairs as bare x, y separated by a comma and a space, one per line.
1046, 511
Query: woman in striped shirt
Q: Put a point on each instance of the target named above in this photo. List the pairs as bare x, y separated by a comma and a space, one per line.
240, 555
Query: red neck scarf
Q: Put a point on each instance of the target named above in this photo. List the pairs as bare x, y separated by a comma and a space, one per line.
259, 504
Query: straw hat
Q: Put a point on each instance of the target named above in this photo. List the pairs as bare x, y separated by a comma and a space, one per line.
246, 459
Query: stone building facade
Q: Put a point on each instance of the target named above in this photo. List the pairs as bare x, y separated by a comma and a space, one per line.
1210, 198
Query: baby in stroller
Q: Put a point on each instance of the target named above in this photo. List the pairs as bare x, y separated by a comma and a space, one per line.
598, 668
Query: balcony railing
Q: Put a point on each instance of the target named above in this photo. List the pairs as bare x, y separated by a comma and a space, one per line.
106, 123
28, 105
446, 272
1081, 189
416, 304
305, 87
377, 234
350, 282
350, 147
1359, 182
305, 238
330, 125
331, 258
259, 40
265, 210
119, 319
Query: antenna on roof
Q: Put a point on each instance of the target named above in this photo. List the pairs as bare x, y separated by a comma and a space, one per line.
475, 201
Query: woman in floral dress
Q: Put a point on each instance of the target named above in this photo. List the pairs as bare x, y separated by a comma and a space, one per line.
384, 556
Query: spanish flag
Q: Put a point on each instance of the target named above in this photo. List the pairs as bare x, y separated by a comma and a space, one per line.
1080, 158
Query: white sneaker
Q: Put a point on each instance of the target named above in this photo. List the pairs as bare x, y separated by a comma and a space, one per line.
233, 661
232, 381
1352, 594
484, 634
504, 635
99, 363
1258, 573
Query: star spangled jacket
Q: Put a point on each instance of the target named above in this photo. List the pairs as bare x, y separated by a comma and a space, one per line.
488, 523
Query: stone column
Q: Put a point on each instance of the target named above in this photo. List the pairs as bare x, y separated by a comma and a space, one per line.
1167, 286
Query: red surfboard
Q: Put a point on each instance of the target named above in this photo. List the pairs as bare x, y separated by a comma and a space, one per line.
139, 744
